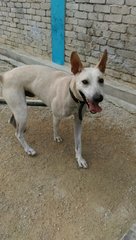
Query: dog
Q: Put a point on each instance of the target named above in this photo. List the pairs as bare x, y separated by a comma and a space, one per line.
66, 94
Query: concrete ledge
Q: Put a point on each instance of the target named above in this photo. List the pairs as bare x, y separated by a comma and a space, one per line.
11, 61
30, 102
29, 59
125, 94
131, 108
131, 234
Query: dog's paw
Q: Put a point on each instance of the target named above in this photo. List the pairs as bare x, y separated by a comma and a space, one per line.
82, 163
30, 151
58, 139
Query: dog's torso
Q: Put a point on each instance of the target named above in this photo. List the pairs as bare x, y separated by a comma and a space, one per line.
49, 85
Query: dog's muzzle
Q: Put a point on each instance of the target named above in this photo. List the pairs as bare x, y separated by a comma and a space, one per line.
93, 104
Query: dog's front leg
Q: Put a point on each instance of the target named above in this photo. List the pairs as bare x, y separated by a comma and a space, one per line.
56, 122
78, 148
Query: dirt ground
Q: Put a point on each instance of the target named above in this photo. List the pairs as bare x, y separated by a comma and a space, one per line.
47, 197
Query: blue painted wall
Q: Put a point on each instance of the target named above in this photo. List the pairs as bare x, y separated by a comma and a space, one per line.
58, 30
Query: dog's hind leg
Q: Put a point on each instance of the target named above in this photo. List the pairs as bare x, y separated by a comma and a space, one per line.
17, 104
21, 126
12, 121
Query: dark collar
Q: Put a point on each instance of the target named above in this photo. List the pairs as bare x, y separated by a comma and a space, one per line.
82, 103
74, 98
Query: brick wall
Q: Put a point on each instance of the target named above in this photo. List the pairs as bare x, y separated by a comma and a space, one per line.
26, 25
91, 26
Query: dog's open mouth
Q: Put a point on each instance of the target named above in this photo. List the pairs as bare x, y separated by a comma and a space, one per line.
93, 107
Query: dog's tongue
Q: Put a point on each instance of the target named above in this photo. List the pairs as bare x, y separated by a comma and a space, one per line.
94, 107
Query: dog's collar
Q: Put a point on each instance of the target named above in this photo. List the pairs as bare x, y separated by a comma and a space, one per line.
82, 103
73, 96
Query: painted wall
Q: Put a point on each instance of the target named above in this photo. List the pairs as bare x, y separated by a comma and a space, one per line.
91, 25
58, 10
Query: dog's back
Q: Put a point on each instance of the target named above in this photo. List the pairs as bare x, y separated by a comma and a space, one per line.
41, 81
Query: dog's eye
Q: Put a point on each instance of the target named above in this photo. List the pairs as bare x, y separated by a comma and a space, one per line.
85, 82
101, 80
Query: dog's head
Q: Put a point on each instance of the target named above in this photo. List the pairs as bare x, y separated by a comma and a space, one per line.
89, 81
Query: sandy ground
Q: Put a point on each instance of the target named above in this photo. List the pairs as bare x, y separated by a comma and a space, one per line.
47, 197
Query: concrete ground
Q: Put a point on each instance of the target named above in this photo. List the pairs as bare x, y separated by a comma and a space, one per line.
47, 197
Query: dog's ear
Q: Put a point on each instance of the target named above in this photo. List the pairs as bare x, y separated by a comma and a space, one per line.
102, 63
76, 65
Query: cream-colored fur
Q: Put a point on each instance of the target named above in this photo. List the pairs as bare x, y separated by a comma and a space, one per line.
52, 87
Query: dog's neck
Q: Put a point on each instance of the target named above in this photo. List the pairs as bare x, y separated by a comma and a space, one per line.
77, 98
74, 90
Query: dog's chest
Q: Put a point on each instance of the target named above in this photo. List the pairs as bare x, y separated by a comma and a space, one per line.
69, 110
72, 110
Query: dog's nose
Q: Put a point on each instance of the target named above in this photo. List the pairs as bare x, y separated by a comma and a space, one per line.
98, 97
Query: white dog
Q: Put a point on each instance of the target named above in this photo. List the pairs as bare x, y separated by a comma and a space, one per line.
66, 94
